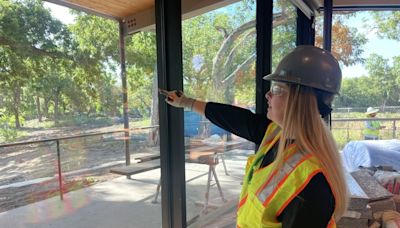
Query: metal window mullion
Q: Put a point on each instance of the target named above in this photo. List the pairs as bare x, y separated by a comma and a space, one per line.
305, 29
169, 66
264, 52
328, 6
264, 18
328, 24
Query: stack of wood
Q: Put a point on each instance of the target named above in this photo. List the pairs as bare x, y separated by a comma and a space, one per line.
371, 205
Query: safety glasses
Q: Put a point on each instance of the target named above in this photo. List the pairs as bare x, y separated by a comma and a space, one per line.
277, 90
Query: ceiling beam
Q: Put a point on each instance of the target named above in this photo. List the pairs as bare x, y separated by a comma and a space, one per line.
359, 5
308, 7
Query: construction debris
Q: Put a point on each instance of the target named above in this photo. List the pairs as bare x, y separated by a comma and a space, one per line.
371, 205
370, 185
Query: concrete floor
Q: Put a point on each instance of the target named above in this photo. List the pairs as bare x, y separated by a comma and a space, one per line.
127, 203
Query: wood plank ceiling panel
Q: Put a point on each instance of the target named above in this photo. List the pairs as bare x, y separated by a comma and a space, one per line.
113, 8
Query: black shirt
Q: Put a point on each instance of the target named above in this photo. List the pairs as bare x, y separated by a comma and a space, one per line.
313, 207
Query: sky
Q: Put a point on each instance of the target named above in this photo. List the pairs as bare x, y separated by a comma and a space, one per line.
386, 48
60, 12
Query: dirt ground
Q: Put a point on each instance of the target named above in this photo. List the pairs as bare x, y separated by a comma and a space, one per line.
29, 173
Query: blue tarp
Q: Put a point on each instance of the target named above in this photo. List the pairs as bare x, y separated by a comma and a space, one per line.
193, 123
372, 153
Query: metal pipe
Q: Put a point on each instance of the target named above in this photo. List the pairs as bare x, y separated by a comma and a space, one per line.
124, 92
73, 137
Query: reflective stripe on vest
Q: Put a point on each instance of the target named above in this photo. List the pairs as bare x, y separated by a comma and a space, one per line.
264, 195
253, 162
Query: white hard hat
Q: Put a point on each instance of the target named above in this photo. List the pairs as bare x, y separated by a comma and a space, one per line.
371, 110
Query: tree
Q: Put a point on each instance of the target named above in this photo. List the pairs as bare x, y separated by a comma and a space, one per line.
141, 62
98, 74
387, 24
237, 51
347, 43
381, 73
28, 34
358, 92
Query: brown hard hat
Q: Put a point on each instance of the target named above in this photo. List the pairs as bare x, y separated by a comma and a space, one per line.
309, 66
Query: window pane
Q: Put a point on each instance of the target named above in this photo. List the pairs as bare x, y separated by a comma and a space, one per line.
366, 47
365, 118
219, 66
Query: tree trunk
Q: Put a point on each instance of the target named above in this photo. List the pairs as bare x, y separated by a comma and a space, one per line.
56, 104
154, 136
17, 101
219, 68
64, 107
221, 75
39, 112
46, 106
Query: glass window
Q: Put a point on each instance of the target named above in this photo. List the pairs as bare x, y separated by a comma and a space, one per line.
62, 84
219, 66
365, 45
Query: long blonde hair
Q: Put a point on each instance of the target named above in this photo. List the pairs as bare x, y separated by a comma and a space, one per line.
303, 123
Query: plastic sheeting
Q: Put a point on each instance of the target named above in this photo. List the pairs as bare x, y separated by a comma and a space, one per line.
372, 153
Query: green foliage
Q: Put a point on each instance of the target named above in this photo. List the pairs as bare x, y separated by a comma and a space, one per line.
387, 24
140, 123
28, 35
141, 51
243, 95
380, 88
96, 37
8, 132
381, 72
141, 61
357, 92
71, 73
30, 31
139, 95
201, 40
84, 120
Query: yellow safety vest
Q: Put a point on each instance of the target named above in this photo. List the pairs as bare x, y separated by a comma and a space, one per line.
264, 197
372, 128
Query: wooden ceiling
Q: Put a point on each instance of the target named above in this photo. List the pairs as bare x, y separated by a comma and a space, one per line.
115, 9
139, 15
119, 9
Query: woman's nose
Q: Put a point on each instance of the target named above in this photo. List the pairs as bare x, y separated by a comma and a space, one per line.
268, 95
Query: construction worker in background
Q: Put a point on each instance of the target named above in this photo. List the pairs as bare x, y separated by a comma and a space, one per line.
372, 127
296, 177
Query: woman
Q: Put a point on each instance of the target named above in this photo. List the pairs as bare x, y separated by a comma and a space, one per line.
296, 178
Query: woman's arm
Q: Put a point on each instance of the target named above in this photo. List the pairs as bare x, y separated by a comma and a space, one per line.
239, 121
199, 107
